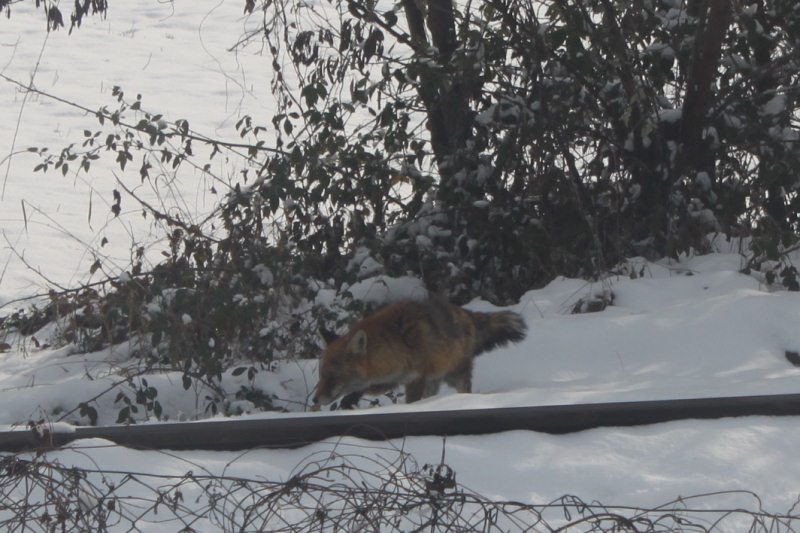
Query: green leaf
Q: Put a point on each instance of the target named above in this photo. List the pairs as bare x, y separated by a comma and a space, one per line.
89, 412
557, 37
124, 415
309, 92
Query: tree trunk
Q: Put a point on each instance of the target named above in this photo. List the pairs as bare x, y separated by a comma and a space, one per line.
766, 84
712, 24
444, 97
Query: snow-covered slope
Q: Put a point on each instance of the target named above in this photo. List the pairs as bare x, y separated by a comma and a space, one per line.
176, 55
694, 329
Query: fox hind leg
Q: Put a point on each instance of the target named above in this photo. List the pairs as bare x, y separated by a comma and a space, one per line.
431, 387
421, 388
461, 376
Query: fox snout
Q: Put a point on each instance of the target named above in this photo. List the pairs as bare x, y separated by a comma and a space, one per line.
319, 397
340, 368
328, 390
318, 400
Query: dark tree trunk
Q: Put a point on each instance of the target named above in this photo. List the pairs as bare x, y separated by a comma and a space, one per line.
713, 21
444, 97
766, 84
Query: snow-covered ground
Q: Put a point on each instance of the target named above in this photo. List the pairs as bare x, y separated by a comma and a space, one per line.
176, 55
696, 328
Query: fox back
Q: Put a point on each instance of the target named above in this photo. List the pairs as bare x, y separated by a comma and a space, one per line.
416, 344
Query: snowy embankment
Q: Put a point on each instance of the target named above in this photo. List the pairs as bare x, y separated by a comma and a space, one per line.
698, 328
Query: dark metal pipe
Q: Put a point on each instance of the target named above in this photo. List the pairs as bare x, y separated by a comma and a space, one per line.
292, 431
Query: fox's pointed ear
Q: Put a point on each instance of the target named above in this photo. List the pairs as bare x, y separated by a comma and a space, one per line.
358, 343
327, 335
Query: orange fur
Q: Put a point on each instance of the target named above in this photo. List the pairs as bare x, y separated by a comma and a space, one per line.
416, 344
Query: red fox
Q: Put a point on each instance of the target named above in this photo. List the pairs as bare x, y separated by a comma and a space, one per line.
416, 344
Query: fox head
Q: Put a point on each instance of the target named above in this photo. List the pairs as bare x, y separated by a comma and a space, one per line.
341, 369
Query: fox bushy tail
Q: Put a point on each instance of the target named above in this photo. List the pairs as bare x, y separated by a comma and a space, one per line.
497, 329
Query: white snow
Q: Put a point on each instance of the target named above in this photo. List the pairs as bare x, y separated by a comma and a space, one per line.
703, 180
177, 58
388, 289
670, 116
264, 274
689, 329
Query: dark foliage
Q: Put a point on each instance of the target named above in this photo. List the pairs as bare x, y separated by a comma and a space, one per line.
385, 490
561, 136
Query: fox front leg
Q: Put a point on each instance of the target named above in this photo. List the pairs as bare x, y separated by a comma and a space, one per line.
350, 400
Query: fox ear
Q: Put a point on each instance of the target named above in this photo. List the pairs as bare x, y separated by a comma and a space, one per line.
358, 343
327, 335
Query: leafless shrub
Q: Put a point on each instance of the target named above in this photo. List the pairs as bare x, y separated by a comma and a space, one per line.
331, 491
